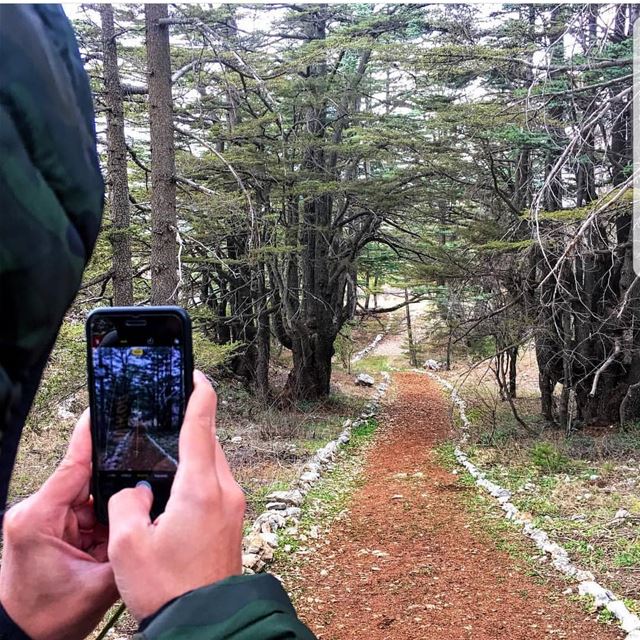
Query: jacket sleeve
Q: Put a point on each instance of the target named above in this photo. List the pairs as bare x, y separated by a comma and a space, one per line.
238, 608
9, 630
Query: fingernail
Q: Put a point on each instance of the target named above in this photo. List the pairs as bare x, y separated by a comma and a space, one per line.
144, 483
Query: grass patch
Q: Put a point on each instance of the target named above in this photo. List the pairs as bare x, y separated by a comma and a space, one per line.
371, 365
629, 556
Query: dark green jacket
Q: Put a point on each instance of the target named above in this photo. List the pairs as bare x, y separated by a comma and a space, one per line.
51, 198
238, 608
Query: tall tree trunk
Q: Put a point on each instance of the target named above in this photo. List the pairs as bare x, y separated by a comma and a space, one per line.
375, 291
413, 358
555, 189
367, 290
117, 181
164, 226
513, 371
263, 337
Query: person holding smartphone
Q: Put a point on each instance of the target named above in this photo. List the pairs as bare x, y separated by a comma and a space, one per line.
61, 569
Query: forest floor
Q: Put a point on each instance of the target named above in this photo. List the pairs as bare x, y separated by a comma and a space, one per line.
415, 556
581, 487
416, 550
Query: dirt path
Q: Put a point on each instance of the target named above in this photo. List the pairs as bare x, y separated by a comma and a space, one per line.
408, 563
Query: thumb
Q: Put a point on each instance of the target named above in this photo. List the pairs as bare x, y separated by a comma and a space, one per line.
129, 515
69, 484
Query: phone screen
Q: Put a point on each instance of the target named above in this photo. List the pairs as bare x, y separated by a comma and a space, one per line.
138, 403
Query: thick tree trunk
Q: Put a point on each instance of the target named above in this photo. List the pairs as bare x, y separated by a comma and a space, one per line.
317, 282
310, 377
164, 245
117, 180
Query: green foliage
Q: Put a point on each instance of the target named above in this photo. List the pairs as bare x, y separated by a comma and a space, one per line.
629, 556
344, 346
372, 364
363, 432
209, 356
481, 348
547, 458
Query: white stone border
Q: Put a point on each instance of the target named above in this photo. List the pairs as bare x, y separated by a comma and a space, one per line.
284, 507
588, 586
370, 347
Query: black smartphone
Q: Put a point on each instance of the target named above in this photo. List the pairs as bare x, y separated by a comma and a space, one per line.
140, 371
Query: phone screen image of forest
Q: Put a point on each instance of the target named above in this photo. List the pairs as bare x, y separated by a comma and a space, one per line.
139, 402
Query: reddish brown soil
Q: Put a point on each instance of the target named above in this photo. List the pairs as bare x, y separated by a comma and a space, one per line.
443, 578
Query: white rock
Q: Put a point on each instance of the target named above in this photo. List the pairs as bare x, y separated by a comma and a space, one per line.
628, 621
621, 514
250, 560
364, 380
236, 439
265, 527
276, 520
293, 497
276, 506
254, 542
309, 476
271, 539
600, 595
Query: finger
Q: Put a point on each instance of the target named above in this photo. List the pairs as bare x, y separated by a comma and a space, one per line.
234, 493
69, 484
129, 514
97, 542
79, 449
98, 550
222, 466
197, 436
86, 516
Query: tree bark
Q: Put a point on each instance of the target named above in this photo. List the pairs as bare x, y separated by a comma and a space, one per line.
164, 245
413, 358
117, 179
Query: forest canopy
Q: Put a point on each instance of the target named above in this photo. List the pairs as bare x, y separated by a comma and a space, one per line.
271, 166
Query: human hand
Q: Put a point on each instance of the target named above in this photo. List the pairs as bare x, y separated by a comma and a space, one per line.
197, 540
55, 581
